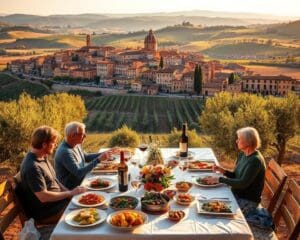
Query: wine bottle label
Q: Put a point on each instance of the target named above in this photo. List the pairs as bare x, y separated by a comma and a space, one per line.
123, 178
183, 147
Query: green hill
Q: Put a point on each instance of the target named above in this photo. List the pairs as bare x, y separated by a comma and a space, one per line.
12, 87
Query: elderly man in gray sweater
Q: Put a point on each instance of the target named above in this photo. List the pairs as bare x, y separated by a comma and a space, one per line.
71, 162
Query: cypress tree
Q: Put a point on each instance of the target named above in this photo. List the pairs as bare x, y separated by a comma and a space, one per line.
196, 75
199, 80
231, 78
161, 63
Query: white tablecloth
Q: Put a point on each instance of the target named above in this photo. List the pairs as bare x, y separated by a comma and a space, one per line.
193, 226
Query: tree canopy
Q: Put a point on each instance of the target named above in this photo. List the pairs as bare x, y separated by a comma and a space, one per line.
20, 117
276, 119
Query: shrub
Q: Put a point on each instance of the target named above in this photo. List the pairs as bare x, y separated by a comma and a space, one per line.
124, 137
194, 138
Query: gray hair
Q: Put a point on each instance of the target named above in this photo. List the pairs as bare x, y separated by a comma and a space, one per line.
250, 136
73, 128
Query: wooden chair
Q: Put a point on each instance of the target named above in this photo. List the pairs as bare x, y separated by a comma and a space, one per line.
275, 179
289, 210
8, 208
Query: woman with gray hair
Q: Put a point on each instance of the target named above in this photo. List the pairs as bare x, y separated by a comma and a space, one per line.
247, 179
71, 162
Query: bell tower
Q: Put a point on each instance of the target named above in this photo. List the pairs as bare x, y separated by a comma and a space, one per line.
88, 40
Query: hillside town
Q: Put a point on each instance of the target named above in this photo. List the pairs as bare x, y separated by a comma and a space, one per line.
150, 70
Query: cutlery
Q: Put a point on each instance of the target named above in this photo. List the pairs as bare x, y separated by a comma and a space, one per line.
102, 207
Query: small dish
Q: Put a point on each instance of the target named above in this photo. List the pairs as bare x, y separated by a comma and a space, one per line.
176, 215
183, 186
184, 199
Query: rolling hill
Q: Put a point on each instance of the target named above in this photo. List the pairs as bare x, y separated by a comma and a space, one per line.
135, 22
291, 29
215, 41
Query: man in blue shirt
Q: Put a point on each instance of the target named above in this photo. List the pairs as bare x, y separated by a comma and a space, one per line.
70, 158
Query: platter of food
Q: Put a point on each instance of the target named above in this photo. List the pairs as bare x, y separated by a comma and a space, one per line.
99, 183
200, 166
127, 220
216, 207
86, 217
123, 202
106, 167
90, 199
207, 181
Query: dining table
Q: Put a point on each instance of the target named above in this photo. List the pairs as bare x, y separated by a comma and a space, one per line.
193, 226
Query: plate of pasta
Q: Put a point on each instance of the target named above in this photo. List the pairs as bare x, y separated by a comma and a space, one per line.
90, 199
85, 217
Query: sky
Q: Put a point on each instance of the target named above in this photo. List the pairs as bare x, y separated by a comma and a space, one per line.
43, 7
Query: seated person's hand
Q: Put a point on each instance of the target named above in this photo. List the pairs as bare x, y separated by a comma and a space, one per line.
104, 156
218, 169
78, 190
212, 180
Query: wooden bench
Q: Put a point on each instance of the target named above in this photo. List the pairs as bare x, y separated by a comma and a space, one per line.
11, 207
289, 210
275, 179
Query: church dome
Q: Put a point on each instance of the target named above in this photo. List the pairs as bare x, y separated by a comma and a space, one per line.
150, 38
150, 42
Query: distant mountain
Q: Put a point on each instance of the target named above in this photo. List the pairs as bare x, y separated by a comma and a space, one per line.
157, 22
207, 13
134, 22
52, 20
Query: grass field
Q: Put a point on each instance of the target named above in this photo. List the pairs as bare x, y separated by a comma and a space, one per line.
142, 113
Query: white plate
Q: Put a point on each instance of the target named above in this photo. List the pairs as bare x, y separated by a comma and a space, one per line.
204, 185
184, 203
69, 218
189, 157
96, 169
145, 217
201, 169
200, 202
76, 198
87, 182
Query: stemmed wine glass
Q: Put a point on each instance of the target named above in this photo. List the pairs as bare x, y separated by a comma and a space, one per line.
143, 147
183, 165
136, 184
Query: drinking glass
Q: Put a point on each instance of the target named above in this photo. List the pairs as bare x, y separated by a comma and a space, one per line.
143, 147
183, 165
136, 184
